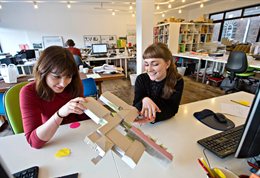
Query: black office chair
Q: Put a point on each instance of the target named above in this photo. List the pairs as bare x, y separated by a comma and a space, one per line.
236, 64
79, 62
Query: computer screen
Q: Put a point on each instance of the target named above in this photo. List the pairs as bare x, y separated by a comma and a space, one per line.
99, 48
249, 145
30, 54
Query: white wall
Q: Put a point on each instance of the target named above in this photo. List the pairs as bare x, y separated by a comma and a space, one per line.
22, 24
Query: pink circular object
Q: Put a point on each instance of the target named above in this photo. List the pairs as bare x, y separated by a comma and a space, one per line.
74, 125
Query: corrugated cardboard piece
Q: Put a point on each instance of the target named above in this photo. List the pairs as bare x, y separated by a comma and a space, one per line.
117, 133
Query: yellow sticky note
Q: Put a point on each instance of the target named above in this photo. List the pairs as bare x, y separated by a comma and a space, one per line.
62, 152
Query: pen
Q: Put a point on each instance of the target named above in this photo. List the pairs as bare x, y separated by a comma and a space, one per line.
241, 103
206, 168
203, 162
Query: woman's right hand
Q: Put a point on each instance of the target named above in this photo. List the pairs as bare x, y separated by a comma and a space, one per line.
148, 111
75, 106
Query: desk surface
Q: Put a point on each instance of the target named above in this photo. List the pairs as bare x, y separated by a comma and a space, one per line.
5, 86
108, 58
179, 135
251, 61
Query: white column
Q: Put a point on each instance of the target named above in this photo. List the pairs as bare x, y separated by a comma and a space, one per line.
144, 29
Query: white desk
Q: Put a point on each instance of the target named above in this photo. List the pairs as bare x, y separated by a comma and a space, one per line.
120, 58
17, 154
216, 60
179, 135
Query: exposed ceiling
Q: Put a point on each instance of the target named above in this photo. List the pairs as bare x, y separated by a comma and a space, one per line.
120, 5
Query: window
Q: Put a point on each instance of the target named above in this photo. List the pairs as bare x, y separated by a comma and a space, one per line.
217, 16
216, 31
241, 24
233, 14
252, 11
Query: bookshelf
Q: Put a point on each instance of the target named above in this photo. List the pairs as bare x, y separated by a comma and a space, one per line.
183, 37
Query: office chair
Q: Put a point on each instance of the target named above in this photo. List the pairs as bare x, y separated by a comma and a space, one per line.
236, 65
79, 62
90, 87
12, 107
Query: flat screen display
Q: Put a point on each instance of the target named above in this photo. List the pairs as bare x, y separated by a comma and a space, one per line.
99, 48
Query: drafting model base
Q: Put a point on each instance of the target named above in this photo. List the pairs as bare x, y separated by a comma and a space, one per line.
117, 133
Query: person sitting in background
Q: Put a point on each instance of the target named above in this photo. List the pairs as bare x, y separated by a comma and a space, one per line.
54, 98
75, 51
158, 92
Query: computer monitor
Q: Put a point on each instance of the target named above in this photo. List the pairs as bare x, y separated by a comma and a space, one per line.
249, 145
30, 54
99, 48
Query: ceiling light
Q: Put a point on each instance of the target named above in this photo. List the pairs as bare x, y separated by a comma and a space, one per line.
201, 5
113, 13
68, 5
169, 6
133, 14
35, 5
182, 0
179, 11
130, 7
0, 6
157, 7
163, 15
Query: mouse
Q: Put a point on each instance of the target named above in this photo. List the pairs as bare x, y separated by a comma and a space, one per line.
221, 118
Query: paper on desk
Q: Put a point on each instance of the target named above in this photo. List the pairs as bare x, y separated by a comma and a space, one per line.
93, 76
235, 110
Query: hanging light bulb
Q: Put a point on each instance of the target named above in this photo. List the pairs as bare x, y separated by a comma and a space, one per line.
35, 5
113, 13
201, 5
130, 7
163, 15
68, 4
158, 7
179, 11
169, 6
182, 0
133, 14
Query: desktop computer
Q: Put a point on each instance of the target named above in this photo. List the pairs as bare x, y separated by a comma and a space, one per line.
242, 140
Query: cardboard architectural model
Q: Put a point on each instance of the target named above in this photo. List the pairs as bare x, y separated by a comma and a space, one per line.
117, 133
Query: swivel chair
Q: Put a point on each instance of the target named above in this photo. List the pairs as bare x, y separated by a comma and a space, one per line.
236, 65
12, 107
79, 62
90, 87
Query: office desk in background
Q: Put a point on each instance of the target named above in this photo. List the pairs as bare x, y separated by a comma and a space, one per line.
216, 61
103, 77
179, 135
107, 59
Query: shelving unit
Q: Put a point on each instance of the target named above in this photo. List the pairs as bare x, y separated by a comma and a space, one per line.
183, 37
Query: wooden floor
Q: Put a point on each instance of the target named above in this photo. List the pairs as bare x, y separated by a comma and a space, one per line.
193, 91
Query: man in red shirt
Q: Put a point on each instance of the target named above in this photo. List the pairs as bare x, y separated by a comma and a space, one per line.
75, 51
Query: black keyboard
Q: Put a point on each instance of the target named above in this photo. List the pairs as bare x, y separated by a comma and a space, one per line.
31, 172
225, 143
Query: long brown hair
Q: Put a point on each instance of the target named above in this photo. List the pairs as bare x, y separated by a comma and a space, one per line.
59, 60
160, 50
